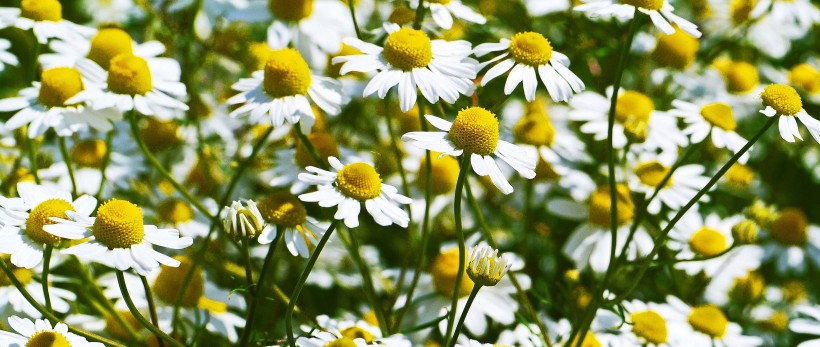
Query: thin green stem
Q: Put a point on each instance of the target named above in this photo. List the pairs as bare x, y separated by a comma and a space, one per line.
46, 269
136, 313
352, 8
418, 20
109, 307
246, 258
251, 315
67, 160
311, 149
32, 158
294, 298
152, 307
462, 247
470, 300
109, 137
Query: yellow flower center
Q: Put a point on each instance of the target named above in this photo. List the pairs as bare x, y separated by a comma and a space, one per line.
708, 319
129, 74
650, 326
748, 289
175, 211
286, 74
645, 4
41, 10
89, 153
324, 144
258, 55
741, 77
341, 342
739, 176
651, 173
358, 333
359, 181
402, 15
22, 274
408, 49
534, 129
475, 130
205, 176
600, 206
589, 341
530, 48
47, 338
168, 283
443, 171
291, 10
58, 85
741, 10
544, 171
782, 98
632, 105
212, 306
677, 51
745, 232
115, 329
160, 135
41, 215
708, 242
119, 224
806, 77
791, 227
282, 208
794, 290
445, 270
109, 43
777, 322
720, 115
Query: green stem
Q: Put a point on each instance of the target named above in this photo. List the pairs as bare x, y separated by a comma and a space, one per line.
302, 279
152, 308
67, 160
417, 22
32, 158
473, 294
353, 16
136, 313
367, 280
109, 307
46, 269
106, 160
462, 248
311, 149
246, 255
249, 319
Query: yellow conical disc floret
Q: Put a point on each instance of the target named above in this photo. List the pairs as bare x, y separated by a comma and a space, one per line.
47, 338
740, 76
342, 342
89, 153
739, 176
291, 10
651, 173
677, 51
443, 174
359, 181
806, 77
530, 48
535, 128
282, 208
129, 74
358, 333
41, 215
633, 105
749, 288
782, 98
286, 74
791, 227
645, 4
600, 206
168, 283
408, 49
589, 341
444, 271
475, 130
741, 10
720, 115
160, 135
402, 15
708, 319
119, 224
324, 144
23, 275
650, 326
175, 211
708, 242
41, 10
58, 85
109, 43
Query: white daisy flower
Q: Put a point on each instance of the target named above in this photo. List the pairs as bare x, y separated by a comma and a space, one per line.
475, 132
241, 221
799, 14
715, 118
792, 242
46, 104
409, 59
360, 329
24, 218
6, 58
314, 27
45, 19
284, 213
112, 11
646, 326
650, 169
443, 12
783, 101
13, 301
283, 91
352, 185
526, 56
117, 237
660, 11
331, 338
810, 325
41, 333
705, 325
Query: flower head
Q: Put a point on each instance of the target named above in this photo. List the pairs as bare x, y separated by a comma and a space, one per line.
485, 267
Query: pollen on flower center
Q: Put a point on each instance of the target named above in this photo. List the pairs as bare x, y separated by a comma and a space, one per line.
677, 50
782, 98
286, 74
282, 208
175, 211
291, 10
109, 43
632, 105
530, 48
444, 271
41, 215
650, 326
443, 174
354, 333
47, 338
791, 227
58, 85
324, 144
119, 224
708, 319
359, 181
534, 129
475, 130
708, 242
720, 115
167, 285
42, 10
651, 173
600, 206
740, 77
129, 74
341, 342
805, 76
645, 4
89, 153
408, 49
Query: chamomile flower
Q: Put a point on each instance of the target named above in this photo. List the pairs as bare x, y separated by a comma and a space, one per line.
351, 186
705, 325
783, 101
283, 90
46, 104
475, 132
649, 171
660, 11
42, 333
6, 58
284, 213
716, 119
527, 56
410, 60
240, 221
330, 338
800, 14
24, 218
13, 301
792, 242
647, 326
443, 12
361, 329
314, 27
45, 19
117, 237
